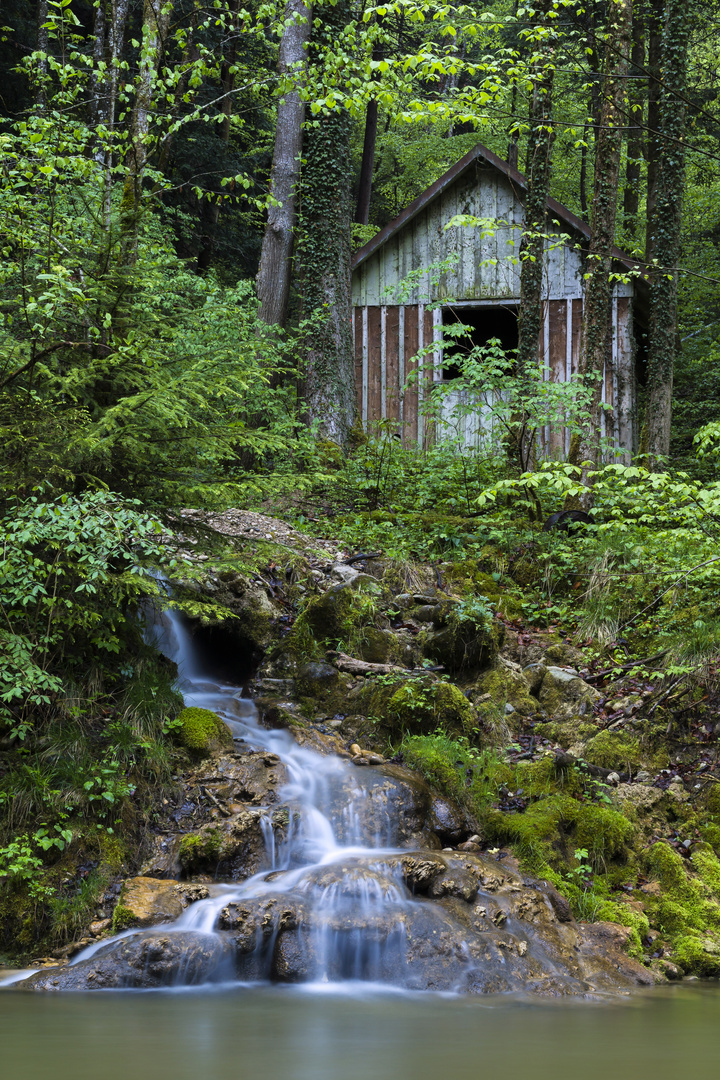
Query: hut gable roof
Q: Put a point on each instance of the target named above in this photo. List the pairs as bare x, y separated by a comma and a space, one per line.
481, 155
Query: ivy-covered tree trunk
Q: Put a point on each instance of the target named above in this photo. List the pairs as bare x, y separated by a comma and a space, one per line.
532, 251
274, 272
325, 275
156, 19
664, 228
596, 338
636, 98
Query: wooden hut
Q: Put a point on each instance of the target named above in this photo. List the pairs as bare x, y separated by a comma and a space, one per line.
417, 276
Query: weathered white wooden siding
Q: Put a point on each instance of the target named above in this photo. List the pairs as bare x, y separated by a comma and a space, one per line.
393, 320
484, 267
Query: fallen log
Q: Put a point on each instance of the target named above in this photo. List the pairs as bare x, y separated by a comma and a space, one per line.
363, 667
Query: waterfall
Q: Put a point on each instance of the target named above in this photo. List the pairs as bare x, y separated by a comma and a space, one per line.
331, 857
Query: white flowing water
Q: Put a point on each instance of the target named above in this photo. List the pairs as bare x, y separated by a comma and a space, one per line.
332, 854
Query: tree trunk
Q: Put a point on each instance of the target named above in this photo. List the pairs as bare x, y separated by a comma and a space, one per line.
156, 18
273, 277
654, 20
43, 43
596, 338
532, 249
115, 40
665, 229
325, 262
362, 210
636, 97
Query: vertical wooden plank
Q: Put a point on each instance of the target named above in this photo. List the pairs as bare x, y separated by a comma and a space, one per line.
410, 399
577, 313
568, 358
428, 332
365, 368
421, 375
401, 365
624, 406
358, 344
557, 359
383, 361
374, 395
392, 363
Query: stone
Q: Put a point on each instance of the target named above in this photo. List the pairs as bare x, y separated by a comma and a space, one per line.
148, 901
202, 732
144, 961
563, 694
317, 680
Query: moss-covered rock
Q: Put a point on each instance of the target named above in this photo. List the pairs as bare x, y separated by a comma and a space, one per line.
377, 646
614, 750
418, 706
622, 751
332, 616
464, 645
317, 680
201, 731
563, 694
688, 907
507, 686
549, 830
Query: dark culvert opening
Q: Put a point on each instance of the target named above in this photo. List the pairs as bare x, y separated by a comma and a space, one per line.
224, 652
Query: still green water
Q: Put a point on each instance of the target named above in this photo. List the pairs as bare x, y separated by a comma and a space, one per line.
278, 1034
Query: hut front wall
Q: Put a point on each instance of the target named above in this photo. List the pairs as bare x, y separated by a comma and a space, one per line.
393, 383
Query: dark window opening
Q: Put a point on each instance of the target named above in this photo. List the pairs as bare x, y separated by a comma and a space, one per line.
485, 323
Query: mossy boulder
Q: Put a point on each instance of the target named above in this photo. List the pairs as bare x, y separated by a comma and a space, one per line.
688, 907
563, 694
507, 687
317, 680
418, 706
464, 645
551, 829
377, 646
202, 732
332, 616
622, 751
614, 750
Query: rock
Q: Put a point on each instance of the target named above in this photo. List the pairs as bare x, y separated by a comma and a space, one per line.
202, 732
377, 646
99, 927
506, 685
534, 673
465, 647
565, 655
317, 680
146, 901
564, 694
144, 961
329, 616
418, 707
232, 848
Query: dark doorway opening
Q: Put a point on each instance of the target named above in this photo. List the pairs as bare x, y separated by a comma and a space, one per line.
484, 323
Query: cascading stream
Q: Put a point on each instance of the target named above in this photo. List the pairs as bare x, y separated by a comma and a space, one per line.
356, 918
354, 887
